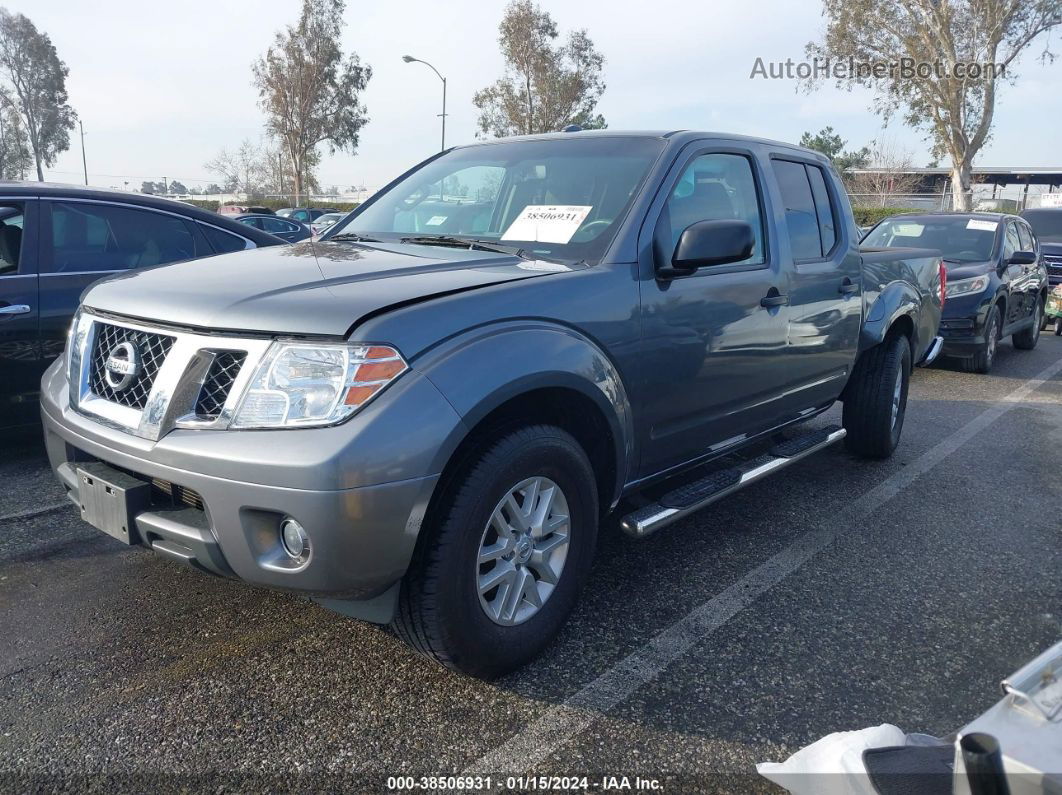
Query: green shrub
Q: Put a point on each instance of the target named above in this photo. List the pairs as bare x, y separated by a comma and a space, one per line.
273, 204
868, 216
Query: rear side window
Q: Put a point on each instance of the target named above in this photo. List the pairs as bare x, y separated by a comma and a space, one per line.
106, 237
823, 209
11, 217
222, 242
801, 218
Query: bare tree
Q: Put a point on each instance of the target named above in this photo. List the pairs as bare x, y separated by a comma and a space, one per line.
36, 80
886, 173
309, 93
968, 47
545, 87
244, 170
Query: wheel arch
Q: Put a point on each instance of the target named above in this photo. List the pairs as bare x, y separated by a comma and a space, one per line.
494, 378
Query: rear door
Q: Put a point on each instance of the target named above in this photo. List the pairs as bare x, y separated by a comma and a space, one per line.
825, 281
715, 340
21, 365
83, 241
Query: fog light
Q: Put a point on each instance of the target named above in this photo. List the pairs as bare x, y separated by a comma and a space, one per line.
296, 542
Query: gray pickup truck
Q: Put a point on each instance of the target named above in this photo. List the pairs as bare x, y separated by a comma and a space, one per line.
422, 418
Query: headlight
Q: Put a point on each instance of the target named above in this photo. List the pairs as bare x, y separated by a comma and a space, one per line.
967, 286
300, 384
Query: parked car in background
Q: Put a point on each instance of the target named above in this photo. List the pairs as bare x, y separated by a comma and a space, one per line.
55, 240
305, 215
422, 417
997, 283
324, 222
1046, 223
239, 209
288, 230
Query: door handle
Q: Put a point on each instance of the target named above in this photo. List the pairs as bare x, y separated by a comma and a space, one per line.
769, 301
848, 288
14, 309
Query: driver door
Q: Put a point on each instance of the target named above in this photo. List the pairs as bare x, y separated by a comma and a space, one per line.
714, 341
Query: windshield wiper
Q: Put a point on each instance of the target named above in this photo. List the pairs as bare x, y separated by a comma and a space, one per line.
353, 236
467, 242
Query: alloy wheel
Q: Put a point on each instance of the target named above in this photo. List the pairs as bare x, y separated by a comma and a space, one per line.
523, 551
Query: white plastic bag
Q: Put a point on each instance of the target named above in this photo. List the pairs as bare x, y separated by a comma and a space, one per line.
832, 765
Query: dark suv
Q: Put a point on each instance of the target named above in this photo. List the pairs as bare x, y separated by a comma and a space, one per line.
1046, 223
55, 240
997, 285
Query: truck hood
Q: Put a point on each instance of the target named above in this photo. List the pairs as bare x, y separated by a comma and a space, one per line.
1051, 248
310, 288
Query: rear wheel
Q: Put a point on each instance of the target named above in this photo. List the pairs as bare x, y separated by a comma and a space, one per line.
1058, 326
876, 399
1026, 339
981, 362
496, 576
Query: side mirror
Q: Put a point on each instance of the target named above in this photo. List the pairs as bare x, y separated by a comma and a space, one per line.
1022, 258
707, 243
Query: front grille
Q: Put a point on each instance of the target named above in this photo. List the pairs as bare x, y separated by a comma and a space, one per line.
152, 350
163, 490
218, 383
1053, 263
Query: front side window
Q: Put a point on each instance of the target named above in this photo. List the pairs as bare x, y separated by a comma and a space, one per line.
1027, 242
716, 187
105, 237
11, 218
277, 225
562, 198
1012, 243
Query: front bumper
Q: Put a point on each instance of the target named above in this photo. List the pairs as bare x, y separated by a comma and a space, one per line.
361, 536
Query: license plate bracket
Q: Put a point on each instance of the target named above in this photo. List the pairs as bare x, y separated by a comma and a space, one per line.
110, 500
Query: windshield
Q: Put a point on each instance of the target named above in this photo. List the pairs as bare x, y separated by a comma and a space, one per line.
959, 238
1046, 224
556, 199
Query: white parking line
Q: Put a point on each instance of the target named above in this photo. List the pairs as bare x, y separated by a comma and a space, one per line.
562, 722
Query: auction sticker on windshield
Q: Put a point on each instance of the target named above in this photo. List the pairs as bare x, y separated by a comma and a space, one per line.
544, 223
984, 226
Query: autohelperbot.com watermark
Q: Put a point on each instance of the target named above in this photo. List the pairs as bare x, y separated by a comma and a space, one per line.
856, 69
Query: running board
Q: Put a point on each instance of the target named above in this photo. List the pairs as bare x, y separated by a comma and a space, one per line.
683, 501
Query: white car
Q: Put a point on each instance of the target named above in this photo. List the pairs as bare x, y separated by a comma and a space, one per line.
324, 222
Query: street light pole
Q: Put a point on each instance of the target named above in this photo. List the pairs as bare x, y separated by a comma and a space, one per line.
411, 59
84, 162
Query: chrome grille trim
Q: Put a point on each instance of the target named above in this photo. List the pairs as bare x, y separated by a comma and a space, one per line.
176, 387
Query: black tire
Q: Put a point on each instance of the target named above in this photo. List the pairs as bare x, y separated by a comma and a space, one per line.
1026, 339
982, 361
873, 431
1058, 326
439, 611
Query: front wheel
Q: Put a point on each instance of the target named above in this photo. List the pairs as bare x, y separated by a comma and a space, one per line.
1026, 339
981, 362
501, 568
876, 399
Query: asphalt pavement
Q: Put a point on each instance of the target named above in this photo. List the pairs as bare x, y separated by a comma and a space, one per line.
837, 595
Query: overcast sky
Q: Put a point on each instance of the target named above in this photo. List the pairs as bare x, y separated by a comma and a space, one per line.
161, 87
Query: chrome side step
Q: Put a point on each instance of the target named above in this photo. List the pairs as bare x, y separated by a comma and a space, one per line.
683, 501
